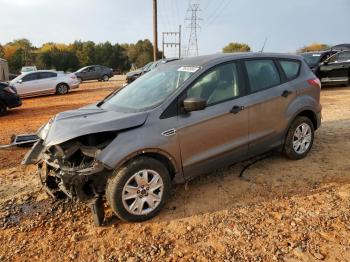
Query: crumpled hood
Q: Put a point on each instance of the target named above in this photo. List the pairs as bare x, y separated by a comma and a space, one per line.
88, 120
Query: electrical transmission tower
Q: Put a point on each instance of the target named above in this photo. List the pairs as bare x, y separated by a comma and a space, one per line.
192, 48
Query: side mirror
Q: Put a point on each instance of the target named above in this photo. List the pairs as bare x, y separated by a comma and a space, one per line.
194, 104
20, 81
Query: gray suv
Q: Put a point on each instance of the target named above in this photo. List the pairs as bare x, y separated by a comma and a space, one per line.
183, 119
94, 72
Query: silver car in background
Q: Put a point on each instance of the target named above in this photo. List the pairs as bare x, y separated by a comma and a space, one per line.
43, 82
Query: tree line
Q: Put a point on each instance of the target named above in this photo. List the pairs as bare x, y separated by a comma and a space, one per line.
121, 57
242, 47
70, 57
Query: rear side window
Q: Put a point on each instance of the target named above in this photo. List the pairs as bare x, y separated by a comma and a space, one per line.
262, 74
344, 57
44, 75
290, 68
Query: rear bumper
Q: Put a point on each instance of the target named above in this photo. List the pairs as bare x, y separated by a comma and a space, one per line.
74, 86
319, 119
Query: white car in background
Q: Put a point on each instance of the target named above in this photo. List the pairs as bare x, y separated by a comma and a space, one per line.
43, 82
26, 69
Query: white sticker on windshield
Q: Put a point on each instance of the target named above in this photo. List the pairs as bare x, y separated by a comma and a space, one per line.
190, 69
316, 55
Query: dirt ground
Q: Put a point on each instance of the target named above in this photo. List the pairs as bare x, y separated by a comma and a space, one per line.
283, 210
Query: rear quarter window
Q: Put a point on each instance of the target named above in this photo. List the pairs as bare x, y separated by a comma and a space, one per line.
44, 75
291, 68
262, 74
344, 57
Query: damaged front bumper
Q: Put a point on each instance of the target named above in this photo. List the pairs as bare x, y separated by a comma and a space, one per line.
83, 180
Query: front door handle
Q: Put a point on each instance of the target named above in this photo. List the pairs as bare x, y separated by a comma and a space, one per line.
236, 109
286, 93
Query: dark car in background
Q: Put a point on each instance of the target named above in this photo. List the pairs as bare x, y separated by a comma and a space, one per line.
133, 75
8, 98
331, 66
335, 70
94, 72
314, 59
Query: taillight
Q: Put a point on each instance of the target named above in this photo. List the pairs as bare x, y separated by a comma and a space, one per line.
8, 89
315, 82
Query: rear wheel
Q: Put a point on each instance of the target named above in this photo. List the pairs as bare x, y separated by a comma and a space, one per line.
105, 78
62, 89
138, 191
299, 139
3, 108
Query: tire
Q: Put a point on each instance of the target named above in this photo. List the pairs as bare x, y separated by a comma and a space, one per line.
62, 89
116, 189
3, 108
105, 78
298, 144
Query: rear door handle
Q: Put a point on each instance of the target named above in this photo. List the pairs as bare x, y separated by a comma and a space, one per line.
286, 93
236, 109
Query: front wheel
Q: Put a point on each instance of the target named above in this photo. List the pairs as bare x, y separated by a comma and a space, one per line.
105, 78
138, 191
300, 138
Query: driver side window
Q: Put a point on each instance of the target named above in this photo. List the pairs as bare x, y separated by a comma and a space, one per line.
217, 85
30, 77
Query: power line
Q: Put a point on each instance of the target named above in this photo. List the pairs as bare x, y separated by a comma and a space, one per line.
218, 12
174, 42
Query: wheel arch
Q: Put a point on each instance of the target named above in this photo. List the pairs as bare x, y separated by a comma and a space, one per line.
307, 112
166, 159
64, 83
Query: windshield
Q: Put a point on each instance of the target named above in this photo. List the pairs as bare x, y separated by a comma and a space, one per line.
312, 59
81, 69
14, 81
148, 91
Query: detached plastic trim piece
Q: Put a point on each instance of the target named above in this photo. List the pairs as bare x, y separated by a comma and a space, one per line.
26, 140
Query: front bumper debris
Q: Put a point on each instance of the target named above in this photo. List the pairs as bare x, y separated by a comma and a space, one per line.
76, 186
21, 141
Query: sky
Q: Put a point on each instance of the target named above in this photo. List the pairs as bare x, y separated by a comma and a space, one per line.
286, 24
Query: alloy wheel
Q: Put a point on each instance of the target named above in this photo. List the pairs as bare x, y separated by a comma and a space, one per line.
143, 192
302, 138
62, 89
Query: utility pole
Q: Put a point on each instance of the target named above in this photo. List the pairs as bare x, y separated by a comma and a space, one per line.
192, 49
175, 41
155, 30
